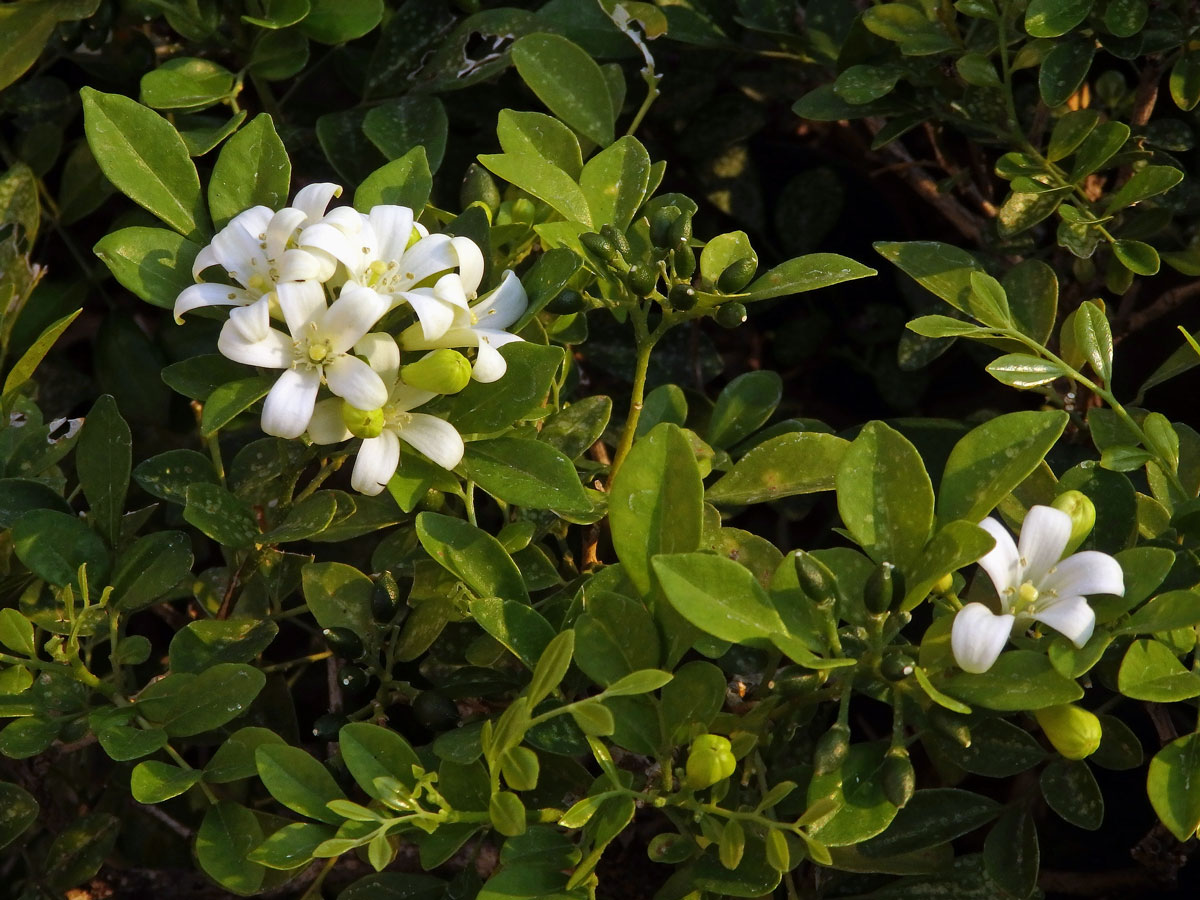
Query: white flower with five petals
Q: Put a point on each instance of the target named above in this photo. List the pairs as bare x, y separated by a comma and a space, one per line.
258, 252
316, 351
1034, 584
387, 252
481, 326
379, 456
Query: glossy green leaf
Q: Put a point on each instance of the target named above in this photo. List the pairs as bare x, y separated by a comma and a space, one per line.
186, 83
338, 21
1151, 671
1098, 149
153, 263
615, 636
1173, 787
53, 545
543, 180
516, 625
526, 473
471, 555
398, 126
1011, 854
291, 846
615, 181
298, 781
153, 781
805, 273
795, 463
1070, 131
103, 461
1071, 791
1019, 680
406, 181
931, 817
339, 596
20, 811
215, 696
1137, 256
718, 596
149, 568
942, 269
485, 408
226, 836
1052, 18
221, 515
742, 407
202, 644
1185, 81
583, 100
252, 169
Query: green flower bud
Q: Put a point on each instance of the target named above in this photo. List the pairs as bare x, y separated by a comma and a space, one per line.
361, 422
523, 210
899, 779
354, 679
567, 302
710, 759
642, 279
344, 643
795, 681
1082, 511
660, 226
730, 315
831, 749
817, 582
440, 371
616, 237
436, 711
680, 233
944, 584
1074, 732
685, 262
896, 665
952, 725
478, 186
600, 246
326, 727
387, 598
737, 275
880, 592
682, 297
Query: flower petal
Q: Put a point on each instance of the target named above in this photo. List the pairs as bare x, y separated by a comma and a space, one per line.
1069, 616
314, 199
327, 425
209, 294
301, 302
405, 397
305, 265
280, 229
489, 364
426, 257
382, 353
435, 317
503, 306
977, 637
1083, 574
326, 238
289, 405
434, 437
356, 382
253, 321
1002, 563
350, 316
470, 263
1044, 536
393, 227
376, 463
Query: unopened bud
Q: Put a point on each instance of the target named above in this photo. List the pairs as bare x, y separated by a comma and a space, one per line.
660, 226
730, 315
1074, 732
1082, 511
710, 759
479, 186
737, 275
361, 422
441, 371
617, 238
899, 778
831, 749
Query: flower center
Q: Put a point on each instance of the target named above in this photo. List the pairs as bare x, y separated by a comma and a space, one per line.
313, 350
260, 284
395, 418
1027, 596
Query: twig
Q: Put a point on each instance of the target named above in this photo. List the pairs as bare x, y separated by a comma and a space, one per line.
1165, 303
155, 813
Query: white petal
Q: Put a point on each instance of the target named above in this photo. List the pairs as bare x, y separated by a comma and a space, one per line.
314, 199
205, 258
434, 316
1083, 574
382, 353
280, 229
470, 263
301, 302
393, 227
235, 250
350, 316
289, 406
426, 257
274, 351
1069, 616
1044, 536
405, 397
1002, 562
376, 463
326, 238
489, 364
503, 306
327, 425
977, 637
208, 294
356, 382
434, 437
347, 219
304, 265
449, 289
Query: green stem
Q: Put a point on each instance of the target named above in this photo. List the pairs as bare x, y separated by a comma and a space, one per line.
645, 346
469, 501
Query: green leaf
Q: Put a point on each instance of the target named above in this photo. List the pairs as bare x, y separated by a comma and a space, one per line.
186, 83
153, 263
27, 28
575, 428
298, 781
516, 625
79, 850
24, 367
1071, 791
723, 251
202, 644
338, 21
942, 269
862, 808
1093, 338
215, 696
372, 752
486, 408
168, 475
1032, 290
103, 460
226, 836
471, 555
1173, 787
234, 759
615, 636
1070, 131
941, 327
406, 181
1052, 18
536, 134
1019, 680
279, 13
1098, 148
989, 302
551, 667
20, 808
144, 156
1022, 210
1010, 853
231, 399
1146, 182
16, 632
930, 818
1166, 612
884, 495
805, 273
526, 473
1185, 81
582, 100
1064, 69
1137, 256
53, 545
719, 596
952, 546
221, 515
615, 182
339, 596
797, 463
991, 460
692, 699
999, 749
150, 568
399, 126
252, 169
155, 782
742, 407
642, 681
1151, 671
656, 504
543, 180
19, 495
861, 84
292, 846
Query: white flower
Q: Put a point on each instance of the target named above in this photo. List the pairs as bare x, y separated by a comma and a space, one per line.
379, 456
481, 325
258, 252
379, 253
317, 350
1034, 584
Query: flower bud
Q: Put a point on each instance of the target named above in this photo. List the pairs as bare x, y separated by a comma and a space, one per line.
344, 642
737, 275
880, 591
361, 422
899, 778
710, 759
616, 237
730, 315
896, 665
642, 279
944, 584
600, 246
685, 262
479, 186
567, 302
817, 582
831, 749
682, 297
441, 371
1074, 732
660, 226
681, 232
387, 598
1082, 511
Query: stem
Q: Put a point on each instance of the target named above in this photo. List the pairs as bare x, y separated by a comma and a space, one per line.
314, 889
651, 80
645, 346
469, 500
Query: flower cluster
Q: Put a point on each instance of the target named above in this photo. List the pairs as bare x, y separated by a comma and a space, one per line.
1034, 583
332, 279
